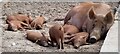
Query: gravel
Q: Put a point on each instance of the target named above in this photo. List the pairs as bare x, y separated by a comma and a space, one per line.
16, 41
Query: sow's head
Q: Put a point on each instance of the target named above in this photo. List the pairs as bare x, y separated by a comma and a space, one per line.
100, 23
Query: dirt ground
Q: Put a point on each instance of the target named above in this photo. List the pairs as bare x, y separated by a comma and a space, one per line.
16, 41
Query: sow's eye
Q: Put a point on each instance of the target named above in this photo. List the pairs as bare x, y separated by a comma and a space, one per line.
95, 20
94, 25
103, 28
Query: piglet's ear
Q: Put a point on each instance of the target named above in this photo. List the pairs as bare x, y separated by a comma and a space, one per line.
61, 28
108, 18
7, 21
83, 37
91, 14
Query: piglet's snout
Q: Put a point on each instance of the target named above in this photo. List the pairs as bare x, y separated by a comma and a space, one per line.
43, 43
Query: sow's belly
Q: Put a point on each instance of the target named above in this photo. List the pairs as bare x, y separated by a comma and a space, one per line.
76, 22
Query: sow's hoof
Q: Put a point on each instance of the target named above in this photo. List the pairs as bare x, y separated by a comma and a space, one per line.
92, 40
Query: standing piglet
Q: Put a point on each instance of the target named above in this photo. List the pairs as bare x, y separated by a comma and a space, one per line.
38, 22
57, 35
78, 39
70, 29
37, 37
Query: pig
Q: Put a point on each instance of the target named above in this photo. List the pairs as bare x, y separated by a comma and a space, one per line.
56, 33
37, 37
78, 39
94, 18
38, 22
70, 29
20, 17
16, 25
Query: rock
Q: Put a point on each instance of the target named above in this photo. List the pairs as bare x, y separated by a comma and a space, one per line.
13, 44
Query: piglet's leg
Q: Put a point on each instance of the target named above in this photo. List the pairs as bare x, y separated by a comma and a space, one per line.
68, 37
27, 21
19, 26
59, 44
40, 26
24, 24
62, 47
37, 40
34, 26
69, 40
52, 42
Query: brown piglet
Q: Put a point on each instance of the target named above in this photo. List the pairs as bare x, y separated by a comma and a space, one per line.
20, 17
70, 29
37, 37
57, 36
78, 39
38, 22
16, 25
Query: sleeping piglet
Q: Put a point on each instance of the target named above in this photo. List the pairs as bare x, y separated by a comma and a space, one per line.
38, 22
78, 39
20, 17
37, 37
16, 25
70, 29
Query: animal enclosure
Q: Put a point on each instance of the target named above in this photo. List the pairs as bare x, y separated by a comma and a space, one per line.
16, 41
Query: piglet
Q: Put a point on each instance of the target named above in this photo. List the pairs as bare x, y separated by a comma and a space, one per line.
78, 39
56, 33
16, 25
20, 17
37, 37
38, 22
70, 29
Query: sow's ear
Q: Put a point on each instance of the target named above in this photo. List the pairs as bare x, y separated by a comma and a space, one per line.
108, 18
91, 14
83, 37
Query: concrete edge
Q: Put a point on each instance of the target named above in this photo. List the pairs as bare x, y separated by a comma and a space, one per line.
111, 41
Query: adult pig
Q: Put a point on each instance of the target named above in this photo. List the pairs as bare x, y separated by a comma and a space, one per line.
94, 18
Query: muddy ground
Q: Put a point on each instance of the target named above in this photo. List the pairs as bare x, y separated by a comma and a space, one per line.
16, 41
